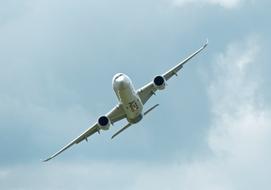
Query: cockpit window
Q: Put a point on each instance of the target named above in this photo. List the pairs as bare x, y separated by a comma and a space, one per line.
119, 75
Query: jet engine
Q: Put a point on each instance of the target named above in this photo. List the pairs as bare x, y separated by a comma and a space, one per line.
104, 123
159, 82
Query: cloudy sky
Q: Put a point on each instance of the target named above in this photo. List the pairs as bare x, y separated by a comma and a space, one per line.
212, 130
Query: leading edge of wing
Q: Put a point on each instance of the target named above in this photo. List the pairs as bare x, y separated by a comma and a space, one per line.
77, 140
57, 153
174, 70
116, 114
149, 89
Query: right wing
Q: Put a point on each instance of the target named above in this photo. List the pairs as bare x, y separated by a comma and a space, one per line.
116, 114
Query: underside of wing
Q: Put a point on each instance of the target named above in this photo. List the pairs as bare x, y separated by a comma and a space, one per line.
173, 71
114, 115
149, 89
146, 92
77, 140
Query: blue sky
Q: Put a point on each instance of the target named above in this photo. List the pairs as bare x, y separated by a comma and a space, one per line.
211, 131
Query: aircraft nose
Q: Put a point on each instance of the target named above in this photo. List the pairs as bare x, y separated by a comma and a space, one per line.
121, 82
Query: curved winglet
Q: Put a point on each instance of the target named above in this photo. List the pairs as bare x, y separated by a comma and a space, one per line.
206, 43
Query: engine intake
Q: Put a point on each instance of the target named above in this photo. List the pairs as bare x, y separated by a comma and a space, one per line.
104, 123
159, 82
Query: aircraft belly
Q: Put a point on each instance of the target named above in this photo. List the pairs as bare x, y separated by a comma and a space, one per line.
131, 104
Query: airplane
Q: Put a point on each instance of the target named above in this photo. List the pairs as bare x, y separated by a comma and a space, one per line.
131, 102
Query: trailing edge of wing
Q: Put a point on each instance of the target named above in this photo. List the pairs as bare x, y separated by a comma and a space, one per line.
174, 70
77, 140
114, 115
149, 89
63, 149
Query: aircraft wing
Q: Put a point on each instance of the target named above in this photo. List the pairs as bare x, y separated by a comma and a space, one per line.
114, 115
148, 90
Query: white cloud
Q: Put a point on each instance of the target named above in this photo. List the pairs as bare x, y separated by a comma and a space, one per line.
241, 128
239, 137
228, 4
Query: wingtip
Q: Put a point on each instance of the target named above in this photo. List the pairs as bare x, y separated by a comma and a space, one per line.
113, 136
46, 160
206, 43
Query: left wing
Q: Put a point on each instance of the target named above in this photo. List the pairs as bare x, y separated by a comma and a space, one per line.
84, 135
148, 90
114, 115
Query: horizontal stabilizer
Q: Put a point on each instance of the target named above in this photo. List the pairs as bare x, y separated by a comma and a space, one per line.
130, 124
122, 129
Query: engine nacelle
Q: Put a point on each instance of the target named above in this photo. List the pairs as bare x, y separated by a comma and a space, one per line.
159, 82
104, 123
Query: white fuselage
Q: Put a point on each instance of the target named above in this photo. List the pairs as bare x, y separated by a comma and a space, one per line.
128, 97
